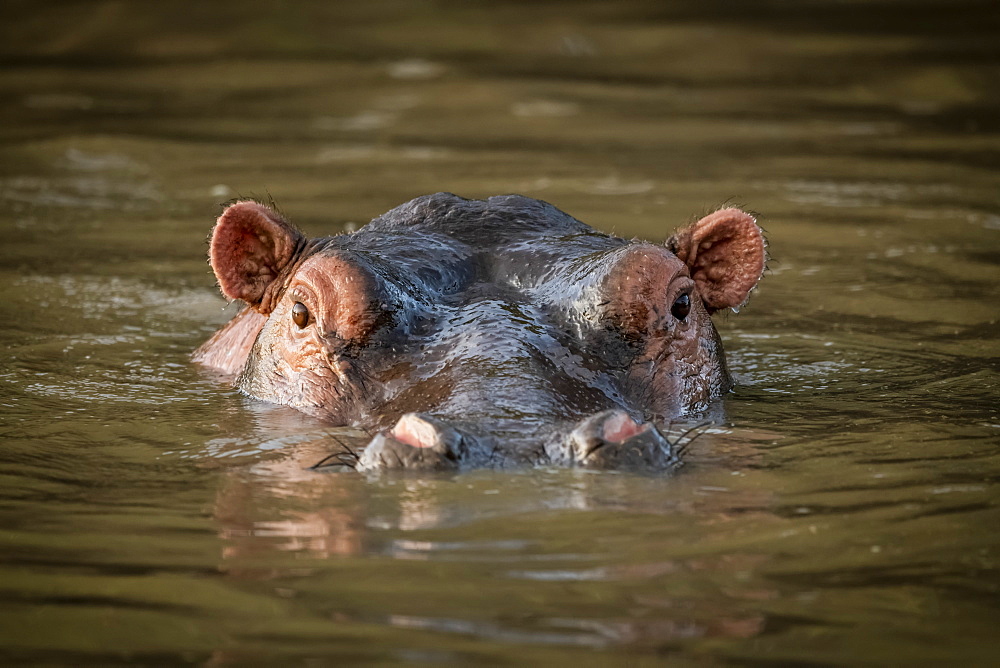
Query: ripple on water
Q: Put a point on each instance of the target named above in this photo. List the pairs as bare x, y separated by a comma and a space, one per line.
118, 341
840, 511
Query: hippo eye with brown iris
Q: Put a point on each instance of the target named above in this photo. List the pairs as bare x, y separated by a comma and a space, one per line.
681, 307
300, 315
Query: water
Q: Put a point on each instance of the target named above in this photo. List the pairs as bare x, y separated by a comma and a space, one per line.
845, 511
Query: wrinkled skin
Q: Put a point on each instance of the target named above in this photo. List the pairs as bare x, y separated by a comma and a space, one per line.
469, 333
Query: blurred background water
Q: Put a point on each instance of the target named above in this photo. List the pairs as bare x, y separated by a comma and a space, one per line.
844, 511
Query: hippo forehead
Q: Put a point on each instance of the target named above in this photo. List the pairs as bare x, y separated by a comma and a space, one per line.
507, 247
509, 297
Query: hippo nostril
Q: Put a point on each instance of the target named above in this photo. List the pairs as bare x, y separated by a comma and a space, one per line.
414, 430
619, 427
612, 439
418, 442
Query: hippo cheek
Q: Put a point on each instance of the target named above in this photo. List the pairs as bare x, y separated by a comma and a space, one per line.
308, 355
652, 300
314, 376
292, 369
679, 370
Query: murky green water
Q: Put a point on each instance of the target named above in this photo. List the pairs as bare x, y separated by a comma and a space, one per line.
845, 511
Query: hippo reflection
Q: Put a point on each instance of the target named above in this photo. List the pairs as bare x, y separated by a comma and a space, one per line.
492, 332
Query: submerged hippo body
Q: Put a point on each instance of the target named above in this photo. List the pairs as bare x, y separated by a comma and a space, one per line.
482, 332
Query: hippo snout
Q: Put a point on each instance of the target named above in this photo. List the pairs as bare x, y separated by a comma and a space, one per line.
610, 439
417, 442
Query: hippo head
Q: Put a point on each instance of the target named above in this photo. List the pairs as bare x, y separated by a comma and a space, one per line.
483, 332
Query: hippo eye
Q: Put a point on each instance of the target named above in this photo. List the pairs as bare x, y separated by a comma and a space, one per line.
300, 315
681, 307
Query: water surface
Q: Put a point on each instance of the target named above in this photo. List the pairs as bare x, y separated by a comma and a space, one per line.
843, 509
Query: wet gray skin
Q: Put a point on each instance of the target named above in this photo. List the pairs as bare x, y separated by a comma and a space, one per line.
468, 333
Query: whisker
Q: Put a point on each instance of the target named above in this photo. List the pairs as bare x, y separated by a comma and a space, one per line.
346, 457
680, 448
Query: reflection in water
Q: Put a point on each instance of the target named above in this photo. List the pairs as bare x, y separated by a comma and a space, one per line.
278, 506
327, 531
593, 633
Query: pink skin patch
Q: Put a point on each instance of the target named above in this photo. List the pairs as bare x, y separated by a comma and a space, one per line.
620, 427
413, 431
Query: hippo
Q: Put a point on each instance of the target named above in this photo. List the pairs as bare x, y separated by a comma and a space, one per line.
483, 333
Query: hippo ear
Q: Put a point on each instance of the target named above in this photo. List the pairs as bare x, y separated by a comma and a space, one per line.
251, 246
725, 253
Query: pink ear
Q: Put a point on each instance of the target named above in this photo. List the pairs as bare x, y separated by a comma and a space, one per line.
228, 349
251, 246
725, 253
